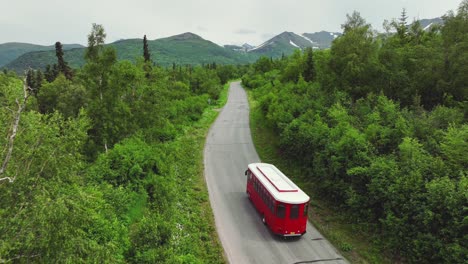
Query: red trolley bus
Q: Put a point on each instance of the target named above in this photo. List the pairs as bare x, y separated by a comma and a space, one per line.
282, 205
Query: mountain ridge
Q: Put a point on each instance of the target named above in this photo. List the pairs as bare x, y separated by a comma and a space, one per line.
10, 51
185, 48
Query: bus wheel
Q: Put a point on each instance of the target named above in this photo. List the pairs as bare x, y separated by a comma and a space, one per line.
264, 220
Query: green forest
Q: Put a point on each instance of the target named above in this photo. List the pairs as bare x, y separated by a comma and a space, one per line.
377, 125
103, 164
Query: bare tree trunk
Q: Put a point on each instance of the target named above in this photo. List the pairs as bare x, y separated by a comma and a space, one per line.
14, 130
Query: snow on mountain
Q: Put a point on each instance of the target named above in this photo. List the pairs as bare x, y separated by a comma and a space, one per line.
286, 42
294, 44
247, 46
427, 24
427, 27
259, 47
306, 38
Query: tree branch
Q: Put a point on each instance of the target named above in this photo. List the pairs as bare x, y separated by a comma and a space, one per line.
14, 131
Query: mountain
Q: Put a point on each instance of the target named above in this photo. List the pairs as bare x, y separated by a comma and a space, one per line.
186, 48
322, 39
235, 48
244, 48
426, 24
247, 46
12, 50
286, 42
182, 49
189, 48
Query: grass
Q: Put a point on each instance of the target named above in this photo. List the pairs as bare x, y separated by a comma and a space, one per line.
196, 136
352, 240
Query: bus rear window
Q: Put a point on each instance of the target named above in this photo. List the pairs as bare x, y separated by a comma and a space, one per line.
294, 214
280, 210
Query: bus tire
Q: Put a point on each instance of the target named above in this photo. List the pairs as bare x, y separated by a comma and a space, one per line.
264, 220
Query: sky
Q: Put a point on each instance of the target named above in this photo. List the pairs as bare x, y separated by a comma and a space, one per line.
221, 21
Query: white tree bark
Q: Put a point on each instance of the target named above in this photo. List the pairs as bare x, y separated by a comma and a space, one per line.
14, 131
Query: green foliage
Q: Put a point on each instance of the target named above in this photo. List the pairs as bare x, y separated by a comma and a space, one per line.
354, 57
74, 200
309, 68
62, 95
95, 42
379, 131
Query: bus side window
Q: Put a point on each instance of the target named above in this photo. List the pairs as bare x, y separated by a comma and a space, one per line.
294, 214
280, 210
306, 206
249, 175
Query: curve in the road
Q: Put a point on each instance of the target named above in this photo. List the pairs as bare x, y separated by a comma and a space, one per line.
228, 151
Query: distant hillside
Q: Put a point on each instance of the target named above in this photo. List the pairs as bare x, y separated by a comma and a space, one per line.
189, 48
186, 48
12, 50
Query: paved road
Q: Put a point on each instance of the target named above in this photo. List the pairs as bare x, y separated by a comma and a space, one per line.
245, 239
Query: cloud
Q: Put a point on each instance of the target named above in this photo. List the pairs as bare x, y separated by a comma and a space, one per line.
245, 31
200, 28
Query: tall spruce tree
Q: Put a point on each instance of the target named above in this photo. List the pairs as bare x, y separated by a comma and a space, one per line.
59, 54
147, 58
401, 27
61, 63
146, 53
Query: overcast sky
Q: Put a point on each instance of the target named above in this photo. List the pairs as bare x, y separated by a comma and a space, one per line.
221, 21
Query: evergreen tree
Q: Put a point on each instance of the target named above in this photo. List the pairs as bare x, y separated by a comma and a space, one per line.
49, 74
62, 64
309, 68
38, 80
30, 79
402, 27
59, 53
34, 80
147, 57
146, 53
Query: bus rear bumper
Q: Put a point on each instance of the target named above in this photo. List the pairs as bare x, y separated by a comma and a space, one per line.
293, 235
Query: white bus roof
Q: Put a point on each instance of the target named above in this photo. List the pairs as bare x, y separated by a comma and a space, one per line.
280, 186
